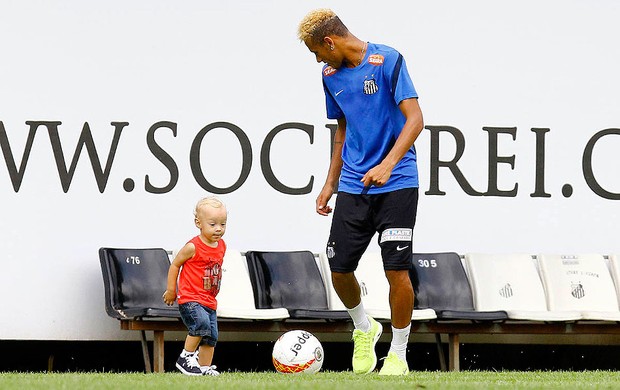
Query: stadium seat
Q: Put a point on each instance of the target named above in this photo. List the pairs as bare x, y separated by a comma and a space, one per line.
236, 297
440, 283
582, 283
376, 289
511, 282
614, 264
333, 301
134, 281
290, 280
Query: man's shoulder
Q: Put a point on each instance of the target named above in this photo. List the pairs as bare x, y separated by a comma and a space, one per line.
380, 54
386, 50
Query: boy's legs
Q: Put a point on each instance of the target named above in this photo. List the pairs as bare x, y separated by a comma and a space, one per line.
207, 344
205, 355
191, 343
187, 362
197, 320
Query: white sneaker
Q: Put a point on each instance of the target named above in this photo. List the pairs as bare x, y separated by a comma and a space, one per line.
209, 370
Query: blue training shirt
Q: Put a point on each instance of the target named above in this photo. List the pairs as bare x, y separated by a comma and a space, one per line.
368, 97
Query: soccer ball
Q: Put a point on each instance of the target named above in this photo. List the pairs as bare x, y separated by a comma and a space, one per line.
297, 351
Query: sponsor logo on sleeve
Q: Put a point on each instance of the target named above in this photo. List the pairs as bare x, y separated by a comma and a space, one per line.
375, 59
328, 71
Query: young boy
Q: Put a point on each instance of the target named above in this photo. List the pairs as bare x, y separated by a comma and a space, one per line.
200, 264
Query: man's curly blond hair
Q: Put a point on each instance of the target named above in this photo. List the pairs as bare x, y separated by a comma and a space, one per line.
320, 23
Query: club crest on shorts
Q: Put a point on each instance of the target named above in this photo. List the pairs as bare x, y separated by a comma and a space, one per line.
330, 252
370, 86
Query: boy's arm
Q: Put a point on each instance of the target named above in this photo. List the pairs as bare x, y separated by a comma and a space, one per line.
187, 252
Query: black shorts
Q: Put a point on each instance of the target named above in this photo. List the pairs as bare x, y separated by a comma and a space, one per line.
358, 217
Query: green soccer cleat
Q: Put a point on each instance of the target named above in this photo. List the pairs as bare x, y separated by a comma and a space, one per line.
394, 366
364, 356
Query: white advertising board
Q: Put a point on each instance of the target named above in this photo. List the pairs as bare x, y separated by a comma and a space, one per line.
116, 117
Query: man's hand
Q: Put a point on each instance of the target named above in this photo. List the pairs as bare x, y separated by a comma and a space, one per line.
378, 175
321, 201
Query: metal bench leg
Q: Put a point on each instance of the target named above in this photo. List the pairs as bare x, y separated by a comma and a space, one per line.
442, 358
145, 351
158, 351
455, 363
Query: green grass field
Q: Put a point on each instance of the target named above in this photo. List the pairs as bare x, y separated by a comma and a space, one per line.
322, 380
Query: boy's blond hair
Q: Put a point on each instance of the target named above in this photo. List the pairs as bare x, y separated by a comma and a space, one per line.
212, 201
320, 23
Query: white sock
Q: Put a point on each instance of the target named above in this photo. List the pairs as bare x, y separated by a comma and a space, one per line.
400, 338
359, 317
185, 353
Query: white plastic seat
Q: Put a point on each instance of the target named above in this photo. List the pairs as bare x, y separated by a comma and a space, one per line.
236, 297
333, 301
614, 265
376, 289
580, 282
511, 282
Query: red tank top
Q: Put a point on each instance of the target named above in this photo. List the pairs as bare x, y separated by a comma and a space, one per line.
199, 280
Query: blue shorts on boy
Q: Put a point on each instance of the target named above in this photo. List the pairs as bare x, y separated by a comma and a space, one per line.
200, 321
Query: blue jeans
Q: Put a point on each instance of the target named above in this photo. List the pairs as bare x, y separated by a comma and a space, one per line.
200, 321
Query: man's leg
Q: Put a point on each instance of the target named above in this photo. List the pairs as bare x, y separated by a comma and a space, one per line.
396, 212
401, 305
347, 288
401, 297
367, 330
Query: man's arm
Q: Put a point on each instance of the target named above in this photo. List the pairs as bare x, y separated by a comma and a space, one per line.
380, 174
335, 166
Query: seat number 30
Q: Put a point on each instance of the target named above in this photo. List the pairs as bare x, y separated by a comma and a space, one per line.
423, 263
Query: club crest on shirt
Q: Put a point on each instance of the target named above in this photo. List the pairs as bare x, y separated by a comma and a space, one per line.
328, 71
370, 86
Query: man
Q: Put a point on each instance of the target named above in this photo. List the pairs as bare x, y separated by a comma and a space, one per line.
369, 92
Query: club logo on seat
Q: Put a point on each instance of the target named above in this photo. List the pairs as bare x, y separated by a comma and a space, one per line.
363, 289
506, 291
576, 290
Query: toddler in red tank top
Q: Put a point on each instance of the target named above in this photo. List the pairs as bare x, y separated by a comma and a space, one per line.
197, 267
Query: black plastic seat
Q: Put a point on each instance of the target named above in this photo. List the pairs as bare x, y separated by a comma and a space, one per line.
440, 283
134, 281
290, 280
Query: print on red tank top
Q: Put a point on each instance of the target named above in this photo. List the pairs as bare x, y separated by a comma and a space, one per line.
201, 275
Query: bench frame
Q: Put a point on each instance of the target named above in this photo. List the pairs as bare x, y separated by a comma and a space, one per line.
344, 328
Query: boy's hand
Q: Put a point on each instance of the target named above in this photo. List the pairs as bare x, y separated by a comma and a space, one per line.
169, 297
